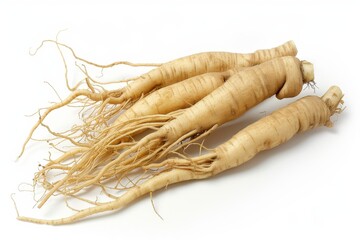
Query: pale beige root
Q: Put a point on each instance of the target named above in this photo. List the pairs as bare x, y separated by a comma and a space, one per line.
305, 114
166, 74
142, 116
243, 90
279, 127
177, 96
171, 100
287, 83
269, 132
189, 66
156, 183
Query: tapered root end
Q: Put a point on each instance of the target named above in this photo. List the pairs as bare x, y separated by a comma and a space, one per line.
307, 69
42, 221
332, 98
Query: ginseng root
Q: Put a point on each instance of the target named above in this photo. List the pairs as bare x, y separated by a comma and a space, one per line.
107, 103
282, 76
269, 132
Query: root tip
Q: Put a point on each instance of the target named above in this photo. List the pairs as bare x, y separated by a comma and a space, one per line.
332, 98
307, 69
17, 211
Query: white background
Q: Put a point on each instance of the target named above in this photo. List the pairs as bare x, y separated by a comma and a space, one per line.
307, 188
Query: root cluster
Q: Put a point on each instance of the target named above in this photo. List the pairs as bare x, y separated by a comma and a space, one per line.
100, 153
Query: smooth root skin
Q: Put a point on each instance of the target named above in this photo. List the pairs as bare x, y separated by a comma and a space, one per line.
269, 132
189, 66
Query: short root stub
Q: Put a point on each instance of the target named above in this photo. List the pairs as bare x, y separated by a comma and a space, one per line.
307, 69
332, 98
